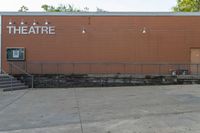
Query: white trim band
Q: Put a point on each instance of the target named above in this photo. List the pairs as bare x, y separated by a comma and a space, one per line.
100, 13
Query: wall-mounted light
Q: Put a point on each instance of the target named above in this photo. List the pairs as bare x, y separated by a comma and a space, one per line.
46, 23
34, 23
144, 30
10, 23
83, 31
22, 22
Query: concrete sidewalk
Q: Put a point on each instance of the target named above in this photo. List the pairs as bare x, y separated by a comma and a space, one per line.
149, 109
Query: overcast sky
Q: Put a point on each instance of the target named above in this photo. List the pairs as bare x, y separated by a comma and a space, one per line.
108, 5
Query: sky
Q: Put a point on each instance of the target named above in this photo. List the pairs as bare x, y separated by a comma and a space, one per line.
108, 5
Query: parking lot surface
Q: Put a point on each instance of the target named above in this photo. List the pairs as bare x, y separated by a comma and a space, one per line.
144, 109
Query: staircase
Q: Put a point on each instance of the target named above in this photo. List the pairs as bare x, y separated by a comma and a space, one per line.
9, 83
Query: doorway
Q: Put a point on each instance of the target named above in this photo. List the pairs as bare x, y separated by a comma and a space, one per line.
195, 60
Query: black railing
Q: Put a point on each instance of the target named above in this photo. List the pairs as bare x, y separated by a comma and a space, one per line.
27, 78
104, 68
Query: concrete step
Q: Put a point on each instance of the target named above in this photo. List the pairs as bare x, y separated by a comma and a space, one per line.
3, 78
14, 88
9, 85
6, 80
3, 75
9, 82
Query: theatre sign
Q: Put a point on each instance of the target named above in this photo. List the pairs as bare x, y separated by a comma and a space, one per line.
34, 29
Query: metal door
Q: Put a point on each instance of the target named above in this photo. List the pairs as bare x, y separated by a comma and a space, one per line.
195, 60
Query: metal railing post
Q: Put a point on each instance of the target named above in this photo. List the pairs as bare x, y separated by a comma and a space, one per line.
141, 68
11, 83
32, 84
24, 72
57, 68
11, 69
26, 69
73, 65
90, 68
159, 69
41, 68
124, 68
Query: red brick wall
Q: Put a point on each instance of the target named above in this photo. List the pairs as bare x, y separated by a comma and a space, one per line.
107, 39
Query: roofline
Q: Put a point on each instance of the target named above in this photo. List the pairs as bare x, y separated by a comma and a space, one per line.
100, 13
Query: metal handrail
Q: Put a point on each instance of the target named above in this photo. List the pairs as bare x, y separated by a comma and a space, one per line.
113, 63
23, 71
160, 65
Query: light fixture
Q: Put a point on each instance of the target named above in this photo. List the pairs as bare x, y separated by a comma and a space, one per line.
22, 22
144, 30
46, 23
10, 22
83, 31
34, 23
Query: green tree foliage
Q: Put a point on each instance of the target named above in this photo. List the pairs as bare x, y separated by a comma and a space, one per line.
23, 9
62, 8
187, 6
100, 10
67, 8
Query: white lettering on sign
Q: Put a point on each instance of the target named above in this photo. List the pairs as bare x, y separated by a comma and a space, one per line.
24, 30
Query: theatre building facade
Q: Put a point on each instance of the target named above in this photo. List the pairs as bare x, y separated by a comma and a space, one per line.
93, 43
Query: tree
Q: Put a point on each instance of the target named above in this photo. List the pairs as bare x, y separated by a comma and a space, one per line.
100, 10
67, 8
62, 8
187, 6
23, 9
